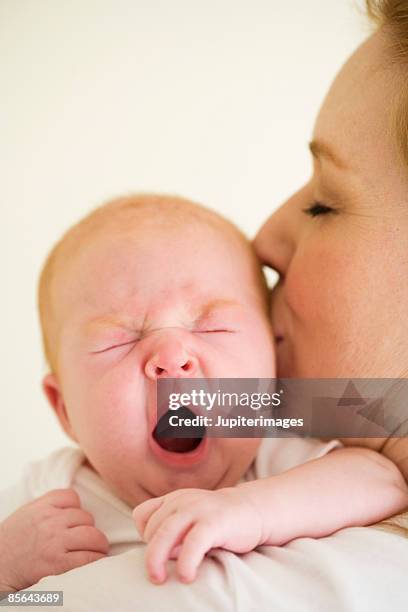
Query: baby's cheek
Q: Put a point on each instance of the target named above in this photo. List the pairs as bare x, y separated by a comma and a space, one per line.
241, 453
111, 414
258, 349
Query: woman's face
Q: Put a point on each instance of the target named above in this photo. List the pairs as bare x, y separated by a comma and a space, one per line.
340, 243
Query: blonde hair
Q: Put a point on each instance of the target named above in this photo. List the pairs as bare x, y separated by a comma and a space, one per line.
124, 214
392, 17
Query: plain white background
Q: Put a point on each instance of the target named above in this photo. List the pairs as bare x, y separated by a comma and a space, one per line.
211, 99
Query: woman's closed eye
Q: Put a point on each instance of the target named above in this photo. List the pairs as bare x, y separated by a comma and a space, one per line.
318, 208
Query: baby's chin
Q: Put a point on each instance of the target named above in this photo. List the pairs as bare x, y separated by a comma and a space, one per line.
224, 466
149, 490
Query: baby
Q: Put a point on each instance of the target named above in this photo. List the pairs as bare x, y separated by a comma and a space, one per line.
147, 287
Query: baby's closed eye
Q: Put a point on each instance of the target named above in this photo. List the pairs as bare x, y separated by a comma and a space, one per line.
115, 346
211, 325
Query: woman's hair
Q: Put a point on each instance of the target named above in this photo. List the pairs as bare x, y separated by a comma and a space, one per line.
392, 17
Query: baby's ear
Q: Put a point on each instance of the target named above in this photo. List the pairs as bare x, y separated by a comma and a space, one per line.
52, 390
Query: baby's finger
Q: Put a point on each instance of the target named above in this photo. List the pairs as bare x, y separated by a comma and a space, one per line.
156, 519
143, 511
74, 517
175, 552
79, 557
198, 541
166, 538
86, 538
63, 498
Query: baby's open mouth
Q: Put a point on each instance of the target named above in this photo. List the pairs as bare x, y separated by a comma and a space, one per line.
194, 433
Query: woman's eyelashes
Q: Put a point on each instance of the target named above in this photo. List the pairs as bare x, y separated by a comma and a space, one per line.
318, 208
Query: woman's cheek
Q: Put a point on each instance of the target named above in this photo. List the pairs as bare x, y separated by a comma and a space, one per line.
321, 286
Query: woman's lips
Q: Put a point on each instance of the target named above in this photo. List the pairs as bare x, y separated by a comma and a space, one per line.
279, 337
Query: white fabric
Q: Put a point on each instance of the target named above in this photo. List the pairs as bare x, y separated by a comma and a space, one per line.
355, 569
64, 468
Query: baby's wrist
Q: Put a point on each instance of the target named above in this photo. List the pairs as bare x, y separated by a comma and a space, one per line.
5, 588
258, 493
275, 508
8, 581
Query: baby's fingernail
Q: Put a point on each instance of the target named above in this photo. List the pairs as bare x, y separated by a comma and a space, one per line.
156, 579
186, 579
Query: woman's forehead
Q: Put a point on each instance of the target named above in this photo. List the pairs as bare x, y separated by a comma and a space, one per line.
354, 121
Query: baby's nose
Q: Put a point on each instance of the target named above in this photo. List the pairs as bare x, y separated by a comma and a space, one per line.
171, 360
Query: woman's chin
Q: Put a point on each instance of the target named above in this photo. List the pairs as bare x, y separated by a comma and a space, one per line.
284, 361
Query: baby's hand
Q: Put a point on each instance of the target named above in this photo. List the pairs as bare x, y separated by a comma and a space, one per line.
191, 522
49, 535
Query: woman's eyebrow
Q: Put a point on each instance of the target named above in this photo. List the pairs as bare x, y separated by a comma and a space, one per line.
320, 149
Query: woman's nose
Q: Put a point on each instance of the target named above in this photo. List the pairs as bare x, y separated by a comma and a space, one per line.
276, 241
171, 359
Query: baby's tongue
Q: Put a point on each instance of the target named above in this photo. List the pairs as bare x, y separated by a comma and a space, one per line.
178, 445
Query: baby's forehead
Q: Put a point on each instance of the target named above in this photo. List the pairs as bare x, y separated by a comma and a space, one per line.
148, 227
170, 228
166, 260
154, 265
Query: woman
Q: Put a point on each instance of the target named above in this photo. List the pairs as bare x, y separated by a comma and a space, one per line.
340, 243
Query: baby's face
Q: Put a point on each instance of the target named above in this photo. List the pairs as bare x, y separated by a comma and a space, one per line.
134, 307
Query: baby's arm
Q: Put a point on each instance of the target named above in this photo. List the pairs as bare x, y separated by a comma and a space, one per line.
348, 487
394, 448
47, 536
